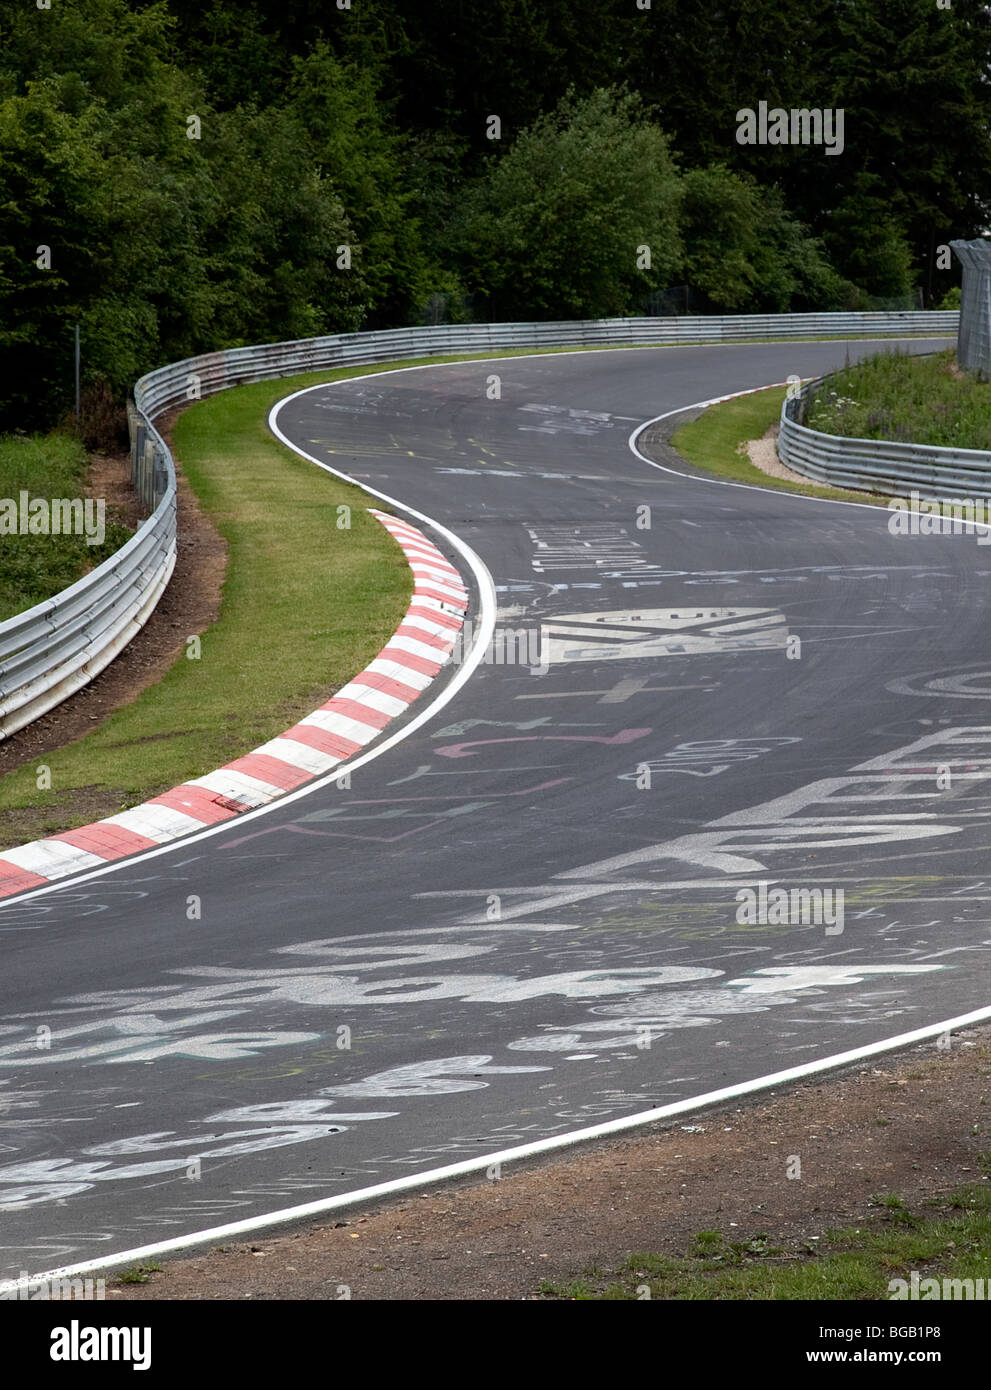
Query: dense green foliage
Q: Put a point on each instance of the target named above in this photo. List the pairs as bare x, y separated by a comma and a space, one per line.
34, 567
210, 174
556, 227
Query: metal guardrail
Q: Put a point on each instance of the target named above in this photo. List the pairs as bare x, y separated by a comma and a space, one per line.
201, 376
878, 465
55, 648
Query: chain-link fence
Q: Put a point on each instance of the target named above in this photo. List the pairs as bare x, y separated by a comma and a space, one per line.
974, 333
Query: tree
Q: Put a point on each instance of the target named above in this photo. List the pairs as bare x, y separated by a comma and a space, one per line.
746, 253
49, 224
867, 240
578, 219
914, 81
357, 148
161, 245
276, 234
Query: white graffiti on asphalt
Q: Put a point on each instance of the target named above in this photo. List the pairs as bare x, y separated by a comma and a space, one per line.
136, 1038
275, 1124
706, 757
140, 1034
445, 1077
654, 1015
892, 798
624, 635
38, 1181
968, 684
887, 799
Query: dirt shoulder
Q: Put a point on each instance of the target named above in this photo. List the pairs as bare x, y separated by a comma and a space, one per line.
916, 1125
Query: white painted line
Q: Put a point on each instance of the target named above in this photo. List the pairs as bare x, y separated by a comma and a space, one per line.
504, 1156
701, 476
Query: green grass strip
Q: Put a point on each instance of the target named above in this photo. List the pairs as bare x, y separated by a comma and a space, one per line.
911, 400
713, 442
948, 1238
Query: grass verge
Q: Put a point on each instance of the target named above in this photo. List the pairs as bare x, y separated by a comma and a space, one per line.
34, 567
714, 442
138, 1274
911, 400
949, 1239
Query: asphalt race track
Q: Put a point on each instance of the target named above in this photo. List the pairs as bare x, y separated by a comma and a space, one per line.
523, 919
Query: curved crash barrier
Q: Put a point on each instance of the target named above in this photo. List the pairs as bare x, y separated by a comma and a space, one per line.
878, 465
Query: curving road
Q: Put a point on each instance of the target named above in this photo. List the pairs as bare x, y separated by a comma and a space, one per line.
525, 916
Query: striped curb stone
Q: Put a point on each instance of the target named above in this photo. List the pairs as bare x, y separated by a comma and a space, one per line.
351, 719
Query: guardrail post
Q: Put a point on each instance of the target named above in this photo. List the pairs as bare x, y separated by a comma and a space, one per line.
160, 477
137, 453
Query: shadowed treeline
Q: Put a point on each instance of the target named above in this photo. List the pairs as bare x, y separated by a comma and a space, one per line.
178, 177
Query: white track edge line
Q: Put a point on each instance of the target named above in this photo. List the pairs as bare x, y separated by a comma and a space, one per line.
504, 1156
701, 477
